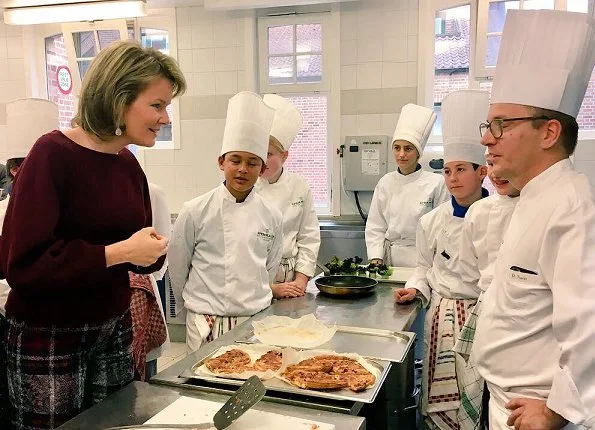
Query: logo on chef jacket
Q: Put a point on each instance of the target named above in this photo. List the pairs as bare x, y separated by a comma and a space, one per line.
265, 235
427, 203
299, 203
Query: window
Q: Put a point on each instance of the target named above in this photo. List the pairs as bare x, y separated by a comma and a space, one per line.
293, 62
55, 59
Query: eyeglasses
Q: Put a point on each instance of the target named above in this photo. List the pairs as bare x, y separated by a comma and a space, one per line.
495, 126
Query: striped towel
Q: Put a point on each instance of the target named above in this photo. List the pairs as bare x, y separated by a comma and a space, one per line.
220, 325
447, 406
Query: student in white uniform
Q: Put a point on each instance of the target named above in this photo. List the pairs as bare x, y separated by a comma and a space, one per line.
535, 338
291, 194
227, 244
483, 229
436, 274
403, 196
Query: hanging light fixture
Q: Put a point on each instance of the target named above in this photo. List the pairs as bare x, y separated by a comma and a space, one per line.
70, 12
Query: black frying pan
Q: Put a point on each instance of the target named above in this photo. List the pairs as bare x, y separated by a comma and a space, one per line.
346, 285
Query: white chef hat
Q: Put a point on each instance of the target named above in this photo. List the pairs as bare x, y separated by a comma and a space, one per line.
462, 112
414, 125
248, 125
26, 121
545, 60
288, 119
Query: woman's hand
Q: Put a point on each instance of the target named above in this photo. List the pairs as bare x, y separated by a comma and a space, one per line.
143, 248
405, 295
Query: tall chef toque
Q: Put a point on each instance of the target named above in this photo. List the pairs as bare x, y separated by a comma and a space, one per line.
248, 125
461, 112
415, 125
288, 120
546, 58
26, 121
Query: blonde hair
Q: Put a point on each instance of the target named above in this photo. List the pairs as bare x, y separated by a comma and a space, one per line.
114, 80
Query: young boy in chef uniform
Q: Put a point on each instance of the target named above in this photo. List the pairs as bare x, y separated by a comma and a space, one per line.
227, 244
403, 196
291, 194
438, 244
483, 229
534, 343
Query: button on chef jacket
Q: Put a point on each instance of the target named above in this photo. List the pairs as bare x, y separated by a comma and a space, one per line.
483, 231
224, 255
301, 231
397, 205
540, 309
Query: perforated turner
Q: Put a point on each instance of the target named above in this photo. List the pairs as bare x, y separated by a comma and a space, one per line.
249, 394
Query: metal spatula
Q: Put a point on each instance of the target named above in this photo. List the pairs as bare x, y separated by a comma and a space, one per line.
249, 394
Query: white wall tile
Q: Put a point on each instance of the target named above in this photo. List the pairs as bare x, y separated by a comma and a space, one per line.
395, 23
394, 75
348, 25
14, 47
369, 50
200, 15
349, 77
369, 75
368, 24
185, 177
396, 5
369, 124
2, 29
3, 49
412, 74
204, 84
203, 60
242, 82
388, 122
185, 37
225, 59
4, 70
185, 60
16, 69
348, 125
14, 30
162, 175
348, 52
412, 24
412, 48
187, 131
202, 35
225, 33
413, 4
394, 49
226, 82
159, 157
190, 84
240, 57
182, 18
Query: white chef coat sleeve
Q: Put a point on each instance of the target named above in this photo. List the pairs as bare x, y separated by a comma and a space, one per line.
468, 266
441, 193
308, 238
180, 252
161, 220
377, 224
568, 262
425, 257
276, 251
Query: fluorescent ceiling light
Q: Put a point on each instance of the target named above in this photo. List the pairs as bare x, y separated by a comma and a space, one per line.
91, 11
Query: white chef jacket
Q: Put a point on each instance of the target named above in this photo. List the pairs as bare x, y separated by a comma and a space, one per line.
438, 243
397, 205
536, 334
485, 223
224, 255
301, 231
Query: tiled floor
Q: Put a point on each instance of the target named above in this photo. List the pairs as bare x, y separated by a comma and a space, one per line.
175, 352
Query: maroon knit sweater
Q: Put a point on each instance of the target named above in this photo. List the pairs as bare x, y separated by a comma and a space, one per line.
68, 202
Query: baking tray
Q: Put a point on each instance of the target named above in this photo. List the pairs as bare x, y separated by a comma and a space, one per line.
275, 384
376, 344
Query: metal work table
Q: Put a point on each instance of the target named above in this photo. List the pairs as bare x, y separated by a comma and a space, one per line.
139, 401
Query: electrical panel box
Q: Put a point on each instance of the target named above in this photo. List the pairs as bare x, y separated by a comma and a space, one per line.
364, 162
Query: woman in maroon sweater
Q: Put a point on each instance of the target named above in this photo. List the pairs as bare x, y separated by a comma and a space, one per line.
78, 220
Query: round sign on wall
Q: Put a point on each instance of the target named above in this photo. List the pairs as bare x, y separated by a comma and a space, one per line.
64, 79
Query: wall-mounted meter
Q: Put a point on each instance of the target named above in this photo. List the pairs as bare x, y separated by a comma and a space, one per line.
364, 162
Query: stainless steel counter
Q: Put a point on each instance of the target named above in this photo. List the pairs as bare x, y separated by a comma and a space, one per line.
139, 401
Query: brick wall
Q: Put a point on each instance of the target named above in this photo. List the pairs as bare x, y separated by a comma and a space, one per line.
308, 154
55, 52
446, 82
586, 116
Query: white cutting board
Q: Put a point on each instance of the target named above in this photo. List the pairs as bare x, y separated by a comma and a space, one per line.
400, 275
188, 410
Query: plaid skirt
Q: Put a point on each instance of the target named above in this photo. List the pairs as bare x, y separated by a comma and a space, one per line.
54, 373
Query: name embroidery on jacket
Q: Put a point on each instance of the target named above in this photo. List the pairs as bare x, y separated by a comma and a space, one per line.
427, 203
299, 203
